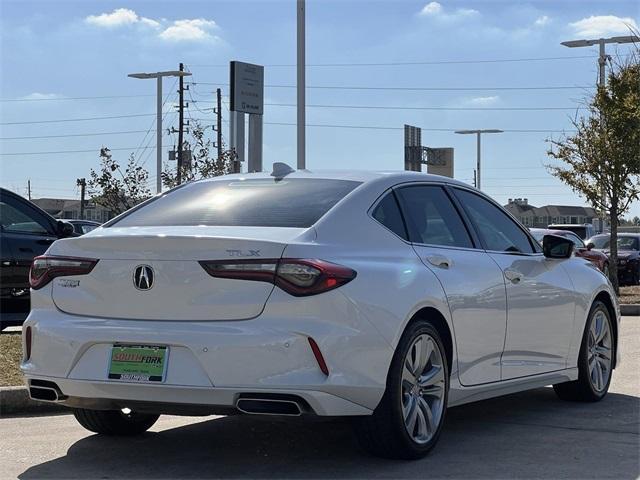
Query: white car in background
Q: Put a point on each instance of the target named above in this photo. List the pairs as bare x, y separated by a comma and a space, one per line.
381, 296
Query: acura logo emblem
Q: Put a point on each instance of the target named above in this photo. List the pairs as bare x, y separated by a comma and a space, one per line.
143, 277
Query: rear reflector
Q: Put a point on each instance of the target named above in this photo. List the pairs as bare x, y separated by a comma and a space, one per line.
298, 277
46, 268
318, 354
27, 344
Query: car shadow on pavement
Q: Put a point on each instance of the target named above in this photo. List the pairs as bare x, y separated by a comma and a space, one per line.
526, 435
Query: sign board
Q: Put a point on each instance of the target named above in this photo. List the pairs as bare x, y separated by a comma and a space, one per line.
247, 88
439, 161
412, 148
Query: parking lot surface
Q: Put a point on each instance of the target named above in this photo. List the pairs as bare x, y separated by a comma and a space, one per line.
527, 435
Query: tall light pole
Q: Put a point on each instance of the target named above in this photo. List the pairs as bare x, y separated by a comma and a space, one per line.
601, 42
478, 134
300, 6
158, 76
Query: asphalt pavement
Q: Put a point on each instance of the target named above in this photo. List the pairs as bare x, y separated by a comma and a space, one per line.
526, 435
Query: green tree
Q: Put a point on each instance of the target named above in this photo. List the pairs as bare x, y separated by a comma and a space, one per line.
601, 160
116, 189
204, 161
636, 221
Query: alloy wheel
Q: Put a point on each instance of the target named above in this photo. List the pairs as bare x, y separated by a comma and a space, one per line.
600, 351
423, 388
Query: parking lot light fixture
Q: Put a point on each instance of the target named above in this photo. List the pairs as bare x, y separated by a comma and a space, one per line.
478, 134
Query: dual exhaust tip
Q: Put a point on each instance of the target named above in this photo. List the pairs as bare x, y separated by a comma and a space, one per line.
45, 391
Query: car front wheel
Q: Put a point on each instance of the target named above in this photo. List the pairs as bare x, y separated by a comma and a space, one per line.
408, 421
595, 361
115, 422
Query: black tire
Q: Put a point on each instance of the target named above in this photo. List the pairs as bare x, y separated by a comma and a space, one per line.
384, 433
114, 422
582, 389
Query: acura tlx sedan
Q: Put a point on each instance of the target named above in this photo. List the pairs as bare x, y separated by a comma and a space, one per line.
385, 297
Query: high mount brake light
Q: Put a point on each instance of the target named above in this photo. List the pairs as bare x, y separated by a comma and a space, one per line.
46, 268
298, 277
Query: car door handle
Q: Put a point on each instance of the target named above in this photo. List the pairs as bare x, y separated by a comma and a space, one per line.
46, 241
439, 261
513, 276
26, 249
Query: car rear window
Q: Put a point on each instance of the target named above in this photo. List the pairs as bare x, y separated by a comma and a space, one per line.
264, 202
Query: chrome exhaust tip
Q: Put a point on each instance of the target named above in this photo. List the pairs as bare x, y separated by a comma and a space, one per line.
269, 406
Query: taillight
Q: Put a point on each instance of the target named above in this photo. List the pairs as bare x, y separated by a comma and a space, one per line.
298, 277
46, 268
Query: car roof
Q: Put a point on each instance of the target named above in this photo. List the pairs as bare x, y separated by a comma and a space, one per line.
363, 176
620, 234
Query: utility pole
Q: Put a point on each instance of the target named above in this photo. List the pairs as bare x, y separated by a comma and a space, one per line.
29, 189
219, 122
82, 183
301, 65
180, 123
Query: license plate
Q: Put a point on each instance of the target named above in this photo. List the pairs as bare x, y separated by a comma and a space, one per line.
138, 363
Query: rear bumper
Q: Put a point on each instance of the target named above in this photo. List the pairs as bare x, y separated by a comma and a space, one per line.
211, 364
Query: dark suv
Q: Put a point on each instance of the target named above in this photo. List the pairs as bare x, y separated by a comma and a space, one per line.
26, 231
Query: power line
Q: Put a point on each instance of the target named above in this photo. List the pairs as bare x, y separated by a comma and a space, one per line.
416, 89
93, 134
390, 107
72, 151
80, 119
408, 63
61, 99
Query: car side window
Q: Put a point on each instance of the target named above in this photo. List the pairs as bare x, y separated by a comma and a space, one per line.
431, 217
496, 229
577, 241
17, 219
387, 212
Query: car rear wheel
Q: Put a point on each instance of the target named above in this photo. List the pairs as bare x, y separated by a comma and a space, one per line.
595, 361
408, 421
115, 422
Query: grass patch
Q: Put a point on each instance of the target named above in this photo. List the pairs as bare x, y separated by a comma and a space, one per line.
630, 294
10, 357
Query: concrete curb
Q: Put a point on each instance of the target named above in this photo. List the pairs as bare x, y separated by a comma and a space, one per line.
630, 309
15, 400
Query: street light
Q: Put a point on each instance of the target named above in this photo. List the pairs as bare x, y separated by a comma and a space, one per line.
159, 76
478, 133
601, 42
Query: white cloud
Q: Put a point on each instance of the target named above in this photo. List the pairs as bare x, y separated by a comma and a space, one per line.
197, 29
117, 18
41, 96
436, 10
602, 25
542, 21
433, 8
484, 101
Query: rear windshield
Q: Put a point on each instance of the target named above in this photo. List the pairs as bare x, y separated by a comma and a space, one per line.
264, 202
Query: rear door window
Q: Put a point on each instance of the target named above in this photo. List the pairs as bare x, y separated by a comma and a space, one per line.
431, 217
263, 202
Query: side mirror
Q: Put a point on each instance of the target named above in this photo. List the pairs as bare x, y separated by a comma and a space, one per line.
590, 246
65, 229
554, 246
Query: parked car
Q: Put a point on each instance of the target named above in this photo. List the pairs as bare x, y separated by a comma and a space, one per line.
628, 255
596, 257
83, 226
380, 296
26, 231
583, 230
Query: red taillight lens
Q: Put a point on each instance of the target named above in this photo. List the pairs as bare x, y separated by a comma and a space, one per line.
298, 277
44, 269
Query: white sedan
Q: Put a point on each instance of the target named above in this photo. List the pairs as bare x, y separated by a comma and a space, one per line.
385, 297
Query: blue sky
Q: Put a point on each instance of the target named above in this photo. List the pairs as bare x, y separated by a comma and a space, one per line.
56, 51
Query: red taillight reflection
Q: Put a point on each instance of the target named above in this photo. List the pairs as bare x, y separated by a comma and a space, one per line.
46, 268
298, 277
318, 354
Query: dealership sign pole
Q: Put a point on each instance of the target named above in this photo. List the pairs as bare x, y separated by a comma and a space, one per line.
247, 96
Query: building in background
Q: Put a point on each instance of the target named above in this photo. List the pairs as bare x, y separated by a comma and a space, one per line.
70, 209
540, 217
